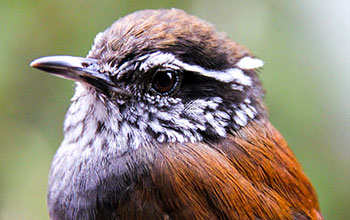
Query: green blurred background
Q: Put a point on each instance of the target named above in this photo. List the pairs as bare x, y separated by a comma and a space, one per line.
305, 45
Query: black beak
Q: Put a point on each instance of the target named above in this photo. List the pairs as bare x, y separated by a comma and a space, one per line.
79, 69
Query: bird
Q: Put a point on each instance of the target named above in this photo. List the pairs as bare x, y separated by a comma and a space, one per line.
168, 121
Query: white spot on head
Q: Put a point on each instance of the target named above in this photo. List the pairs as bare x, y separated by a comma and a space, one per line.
241, 118
247, 111
248, 63
237, 87
161, 138
156, 127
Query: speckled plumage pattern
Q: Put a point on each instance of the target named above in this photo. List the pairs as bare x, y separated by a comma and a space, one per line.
201, 149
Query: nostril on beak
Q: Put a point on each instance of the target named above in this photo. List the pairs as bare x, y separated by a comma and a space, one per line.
84, 64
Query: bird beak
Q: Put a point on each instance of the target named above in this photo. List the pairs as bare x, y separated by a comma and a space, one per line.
79, 69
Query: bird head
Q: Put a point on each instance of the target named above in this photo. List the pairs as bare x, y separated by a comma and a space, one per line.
168, 76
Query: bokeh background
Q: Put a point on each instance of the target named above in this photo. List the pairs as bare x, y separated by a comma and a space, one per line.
305, 45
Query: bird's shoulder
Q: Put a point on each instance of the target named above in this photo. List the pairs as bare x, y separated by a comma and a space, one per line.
251, 174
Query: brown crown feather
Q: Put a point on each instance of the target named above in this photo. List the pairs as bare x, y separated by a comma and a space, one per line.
168, 30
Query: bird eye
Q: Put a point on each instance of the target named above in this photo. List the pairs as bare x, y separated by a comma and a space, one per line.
164, 81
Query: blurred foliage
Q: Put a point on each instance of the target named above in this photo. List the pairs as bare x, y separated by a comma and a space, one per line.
305, 45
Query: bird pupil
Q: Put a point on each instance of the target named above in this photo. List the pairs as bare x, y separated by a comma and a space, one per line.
164, 81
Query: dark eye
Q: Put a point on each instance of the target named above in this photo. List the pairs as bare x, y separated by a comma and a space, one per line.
164, 81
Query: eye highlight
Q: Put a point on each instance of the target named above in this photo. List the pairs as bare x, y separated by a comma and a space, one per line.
164, 81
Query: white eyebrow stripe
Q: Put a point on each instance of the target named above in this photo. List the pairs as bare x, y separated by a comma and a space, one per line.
247, 63
229, 75
156, 59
